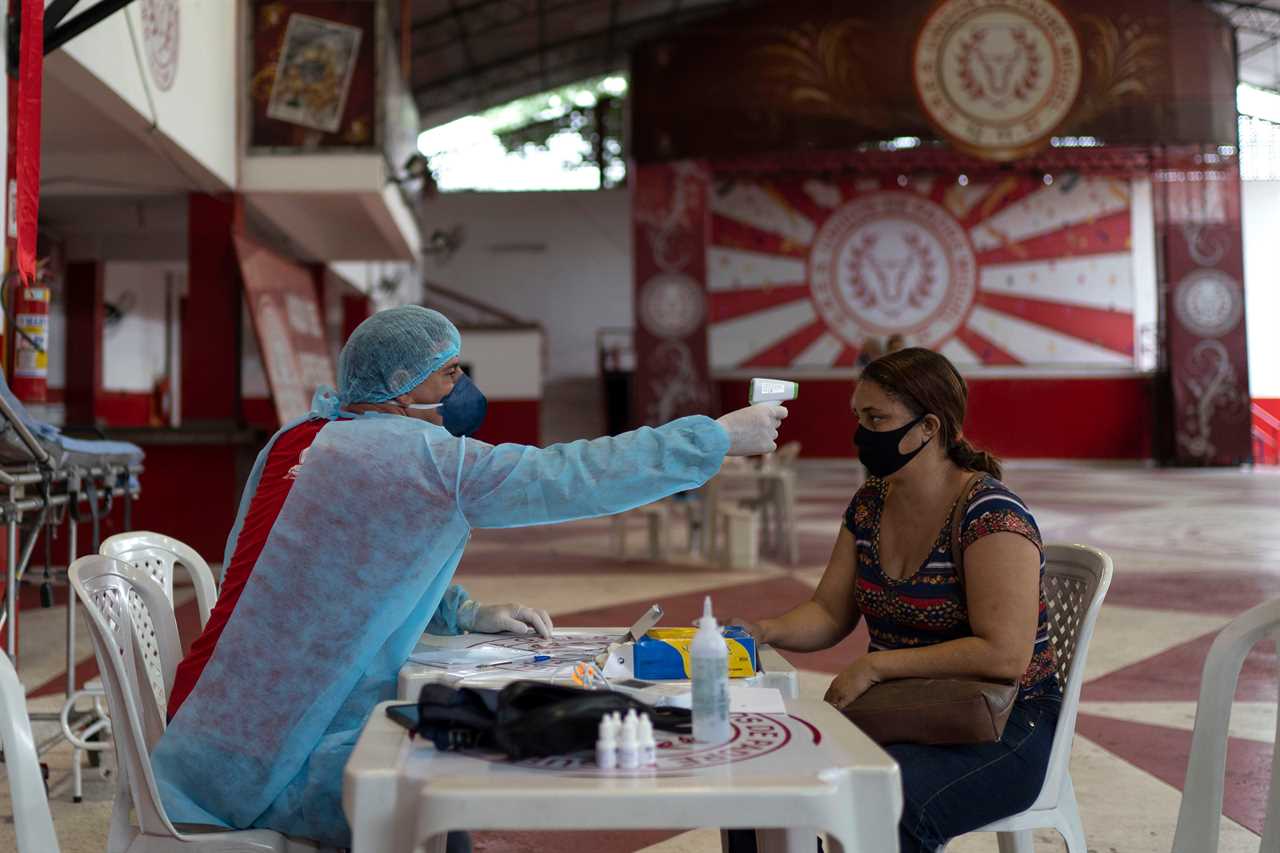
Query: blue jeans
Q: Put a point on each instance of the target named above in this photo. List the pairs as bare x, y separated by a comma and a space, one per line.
951, 790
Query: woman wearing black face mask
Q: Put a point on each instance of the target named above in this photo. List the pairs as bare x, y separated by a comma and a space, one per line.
892, 564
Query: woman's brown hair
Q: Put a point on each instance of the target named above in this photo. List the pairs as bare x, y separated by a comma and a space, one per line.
927, 383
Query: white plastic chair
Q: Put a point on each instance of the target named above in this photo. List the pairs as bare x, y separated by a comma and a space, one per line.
155, 554
1076, 578
135, 639
31, 820
1200, 814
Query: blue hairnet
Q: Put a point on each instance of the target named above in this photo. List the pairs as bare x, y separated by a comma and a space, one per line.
391, 353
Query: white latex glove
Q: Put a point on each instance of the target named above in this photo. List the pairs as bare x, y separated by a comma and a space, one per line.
511, 618
753, 430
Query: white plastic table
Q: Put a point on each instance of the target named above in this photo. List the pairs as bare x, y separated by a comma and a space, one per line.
567, 647
789, 776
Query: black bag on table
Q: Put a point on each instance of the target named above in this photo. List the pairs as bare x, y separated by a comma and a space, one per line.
526, 719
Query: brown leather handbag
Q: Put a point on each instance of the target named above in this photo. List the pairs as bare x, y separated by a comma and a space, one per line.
937, 711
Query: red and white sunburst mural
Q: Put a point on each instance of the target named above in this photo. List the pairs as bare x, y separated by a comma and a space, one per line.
801, 272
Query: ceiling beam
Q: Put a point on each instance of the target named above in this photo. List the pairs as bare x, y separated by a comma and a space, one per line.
1251, 15
658, 24
518, 15
542, 43
437, 20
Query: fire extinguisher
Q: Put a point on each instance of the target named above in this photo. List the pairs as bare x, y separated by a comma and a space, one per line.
31, 342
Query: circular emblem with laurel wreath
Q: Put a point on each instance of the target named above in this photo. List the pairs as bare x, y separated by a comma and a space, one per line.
891, 262
160, 29
672, 305
997, 76
1209, 303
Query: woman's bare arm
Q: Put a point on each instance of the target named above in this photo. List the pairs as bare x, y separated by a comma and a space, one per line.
828, 617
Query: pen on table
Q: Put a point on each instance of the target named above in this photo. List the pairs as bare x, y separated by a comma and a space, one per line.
534, 659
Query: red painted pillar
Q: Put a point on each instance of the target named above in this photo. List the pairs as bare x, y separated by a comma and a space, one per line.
86, 313
356, 307
211, 316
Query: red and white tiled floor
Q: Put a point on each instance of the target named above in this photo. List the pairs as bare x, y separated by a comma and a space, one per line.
1192, 550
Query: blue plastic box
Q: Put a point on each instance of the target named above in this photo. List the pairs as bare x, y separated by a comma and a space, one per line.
663, 653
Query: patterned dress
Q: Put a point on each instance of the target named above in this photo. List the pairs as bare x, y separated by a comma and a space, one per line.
928, 607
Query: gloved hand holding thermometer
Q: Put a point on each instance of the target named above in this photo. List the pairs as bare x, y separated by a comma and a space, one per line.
754, 430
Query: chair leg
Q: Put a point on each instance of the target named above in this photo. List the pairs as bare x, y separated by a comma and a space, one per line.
1066, 819
657, 531
618, 535
1016, 842
77, 780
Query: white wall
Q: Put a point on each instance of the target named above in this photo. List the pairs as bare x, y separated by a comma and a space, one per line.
1261, 209
1142, 232
198, 112
133, 349
506, 365
562, 260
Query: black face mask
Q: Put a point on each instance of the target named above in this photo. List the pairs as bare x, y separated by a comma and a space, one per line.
878, 451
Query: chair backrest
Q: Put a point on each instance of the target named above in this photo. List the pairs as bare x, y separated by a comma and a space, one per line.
135, 639
31, 820
1076, 578
156, 554
1200, 814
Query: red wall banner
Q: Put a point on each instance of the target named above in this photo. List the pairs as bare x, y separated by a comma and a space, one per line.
286, 317
992, 78
1012, 272
1207, 369
669, 227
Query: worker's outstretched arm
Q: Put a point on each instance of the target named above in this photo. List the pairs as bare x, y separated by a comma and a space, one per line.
511, 485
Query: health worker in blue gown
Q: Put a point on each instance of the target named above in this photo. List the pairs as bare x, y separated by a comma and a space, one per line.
350, 529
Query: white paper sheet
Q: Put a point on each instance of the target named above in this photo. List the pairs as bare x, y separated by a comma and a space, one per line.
469, 658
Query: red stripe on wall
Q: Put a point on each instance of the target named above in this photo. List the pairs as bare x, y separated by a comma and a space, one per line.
727, 304
123, 408
191, 492
1108, 235
260, 412
848, 357
514, 421
786, 350
1271, 405
1037, 418
794, 197
1110, 329
984, 348
732, 234
1000, 196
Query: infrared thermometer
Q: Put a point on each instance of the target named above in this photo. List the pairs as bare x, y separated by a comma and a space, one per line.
773, 391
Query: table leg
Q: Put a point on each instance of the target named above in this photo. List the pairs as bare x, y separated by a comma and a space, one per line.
710, 507
790, 840
790, 540
438, 843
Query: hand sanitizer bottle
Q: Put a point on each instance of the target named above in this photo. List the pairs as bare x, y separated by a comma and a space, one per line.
710, 664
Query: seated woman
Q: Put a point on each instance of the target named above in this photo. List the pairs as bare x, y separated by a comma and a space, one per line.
892, 564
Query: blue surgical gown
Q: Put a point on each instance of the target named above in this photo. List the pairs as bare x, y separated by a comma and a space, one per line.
357, 564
